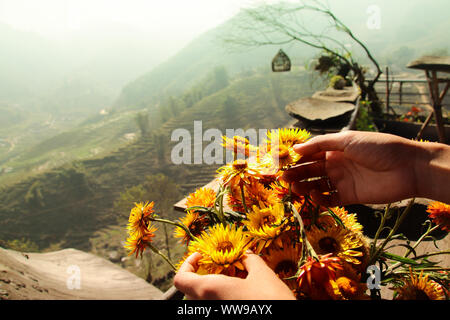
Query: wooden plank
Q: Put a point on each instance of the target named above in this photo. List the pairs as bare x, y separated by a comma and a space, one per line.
312, 109
181, 205
434, 63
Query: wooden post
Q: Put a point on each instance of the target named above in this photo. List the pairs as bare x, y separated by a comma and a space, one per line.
433, 85
424, 125
387, 90
400, 92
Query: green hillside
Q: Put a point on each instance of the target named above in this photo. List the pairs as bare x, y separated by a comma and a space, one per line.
96, 136
191, 64
68, 204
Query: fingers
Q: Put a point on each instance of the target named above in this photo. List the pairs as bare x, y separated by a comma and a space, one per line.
305, 187
328, 142
313, 157
254, 264
186, 278
190, 264
330, 199
306, 171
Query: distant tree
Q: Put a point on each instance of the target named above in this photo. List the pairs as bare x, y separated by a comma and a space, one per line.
164, 113
142, 120
229, 109
220, 78
188, 99
216, 81
160, 147
22, 245
34, 197
173, 106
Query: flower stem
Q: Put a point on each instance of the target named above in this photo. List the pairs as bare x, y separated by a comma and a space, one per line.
394, 229
308, 250
420, 240
243, 198
155, 250
398, 264
380, 228
182, 226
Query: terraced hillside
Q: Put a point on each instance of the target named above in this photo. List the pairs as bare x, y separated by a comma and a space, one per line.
66, 205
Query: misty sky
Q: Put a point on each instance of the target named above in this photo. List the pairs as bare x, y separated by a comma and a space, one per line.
176, 19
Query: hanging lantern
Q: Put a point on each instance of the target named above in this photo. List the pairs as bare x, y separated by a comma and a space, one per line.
281, 62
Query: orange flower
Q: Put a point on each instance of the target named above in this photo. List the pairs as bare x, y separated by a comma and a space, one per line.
138, 241
316, 279
350, 285
439, 213
139, 217
416, 110
281, 189
255, 195
238, 173
194, 222
204, 197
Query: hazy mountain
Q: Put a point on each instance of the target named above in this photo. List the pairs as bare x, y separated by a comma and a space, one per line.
79, 73
413, 25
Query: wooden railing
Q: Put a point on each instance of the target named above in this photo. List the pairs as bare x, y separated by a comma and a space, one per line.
394, 93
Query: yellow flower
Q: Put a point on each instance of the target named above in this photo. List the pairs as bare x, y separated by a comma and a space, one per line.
139, 217
284, 262
255, 195
203, 197
418, 287
138, 241
282, 157
194, 222
349, 220
238, 173
222, 249
338, 241
439, 212
279, 144
287, 137
240, 145
265, 225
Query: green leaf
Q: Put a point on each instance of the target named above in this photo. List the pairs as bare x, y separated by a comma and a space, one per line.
395, 257
338, 220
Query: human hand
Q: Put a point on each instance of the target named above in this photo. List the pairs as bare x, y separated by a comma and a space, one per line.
261, 282
362, 167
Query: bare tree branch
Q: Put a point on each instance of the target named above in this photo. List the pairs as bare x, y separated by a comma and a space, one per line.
281, 24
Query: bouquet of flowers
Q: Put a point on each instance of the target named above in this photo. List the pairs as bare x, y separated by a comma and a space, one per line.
319, 252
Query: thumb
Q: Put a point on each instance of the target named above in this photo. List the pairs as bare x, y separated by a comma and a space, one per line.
254, 264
